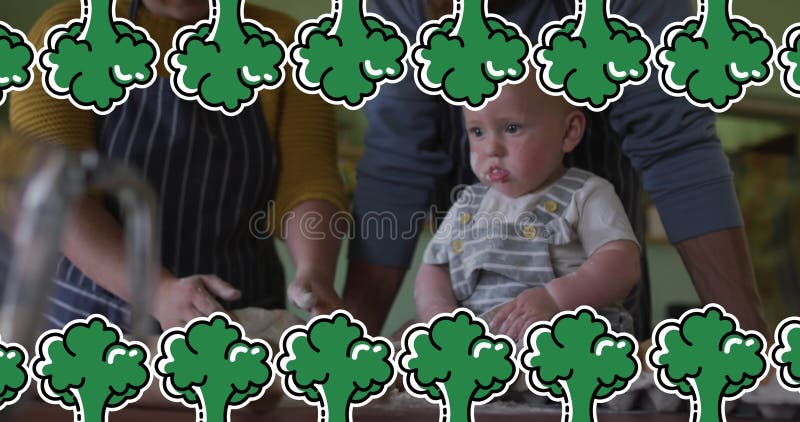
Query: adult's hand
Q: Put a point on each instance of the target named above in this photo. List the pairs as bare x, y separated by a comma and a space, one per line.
178, 301
314, 294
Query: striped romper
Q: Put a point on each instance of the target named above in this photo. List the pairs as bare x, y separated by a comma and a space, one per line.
493, 257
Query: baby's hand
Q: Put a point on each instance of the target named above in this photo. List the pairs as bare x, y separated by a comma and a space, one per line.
532, 305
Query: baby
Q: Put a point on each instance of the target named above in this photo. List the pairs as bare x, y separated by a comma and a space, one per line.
533, 238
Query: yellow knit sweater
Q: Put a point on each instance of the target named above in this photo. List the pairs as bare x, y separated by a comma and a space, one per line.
302, 125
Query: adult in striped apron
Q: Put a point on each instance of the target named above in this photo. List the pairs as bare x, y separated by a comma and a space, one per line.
210, 172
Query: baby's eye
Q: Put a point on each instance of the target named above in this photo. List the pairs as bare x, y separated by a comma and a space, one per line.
512, 128
476, 132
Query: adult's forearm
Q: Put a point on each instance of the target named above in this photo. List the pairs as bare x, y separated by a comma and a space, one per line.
722, 272
314, 234
93, 241
313, 231
370, 292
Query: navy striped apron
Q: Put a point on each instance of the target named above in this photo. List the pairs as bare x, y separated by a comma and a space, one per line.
211, 173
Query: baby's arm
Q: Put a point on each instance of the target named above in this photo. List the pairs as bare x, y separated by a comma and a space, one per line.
605, 278
433, 293
612, 267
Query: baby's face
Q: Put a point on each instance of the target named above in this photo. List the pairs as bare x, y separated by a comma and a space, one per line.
516, 141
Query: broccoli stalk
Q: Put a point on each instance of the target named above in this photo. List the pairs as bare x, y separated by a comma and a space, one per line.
472, 20
467, 56
712, 58
788, 59
579, 361
333, 364
13, 375
98, 23
87, 367
16, 66
211, 366
454, 362
346, 55
223, 61
704, 357
349, 20
96, 60
590, 57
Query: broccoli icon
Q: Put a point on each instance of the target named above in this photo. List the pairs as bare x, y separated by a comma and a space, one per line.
16, 66
713, 57
96, 60
787, 60
13, 374
347, 54
224, 60
591, 56
579, 361
87, 367
466, 57
785, 353
704, 357
333, 364
454, 362
211, 366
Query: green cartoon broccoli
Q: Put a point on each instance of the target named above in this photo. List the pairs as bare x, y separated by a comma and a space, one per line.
333, 364
467, 56
95, 61
210, 365
223, 61
88, 368
788, 59
456, 363
579, 361
704, 357
14, 378
591, 56
713, 57
16, 60
346, 55
785, 353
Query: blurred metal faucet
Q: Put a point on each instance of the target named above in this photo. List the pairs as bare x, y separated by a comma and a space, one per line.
49, 194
